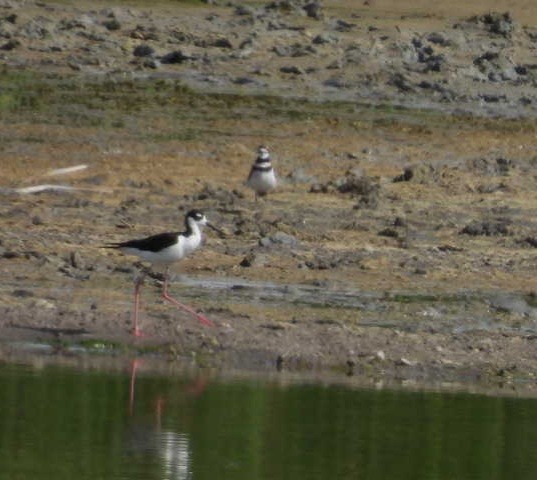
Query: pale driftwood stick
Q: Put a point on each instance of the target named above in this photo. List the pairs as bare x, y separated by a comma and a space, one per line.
57, 188
66, 170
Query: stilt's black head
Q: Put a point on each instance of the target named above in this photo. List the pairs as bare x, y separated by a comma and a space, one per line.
194, 216
200, 219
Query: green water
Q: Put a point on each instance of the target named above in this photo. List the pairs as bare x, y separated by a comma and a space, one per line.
66, 424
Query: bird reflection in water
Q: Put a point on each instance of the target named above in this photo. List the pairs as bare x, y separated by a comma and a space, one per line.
173, 449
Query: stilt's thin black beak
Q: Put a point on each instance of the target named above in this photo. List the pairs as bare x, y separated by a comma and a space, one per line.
221, 233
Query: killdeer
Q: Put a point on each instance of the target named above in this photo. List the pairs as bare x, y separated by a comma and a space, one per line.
262, 178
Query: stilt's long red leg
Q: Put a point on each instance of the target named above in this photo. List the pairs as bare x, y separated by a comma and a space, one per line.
202, 319
138, 285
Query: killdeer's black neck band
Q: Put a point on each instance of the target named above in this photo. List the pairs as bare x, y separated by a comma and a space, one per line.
262, 168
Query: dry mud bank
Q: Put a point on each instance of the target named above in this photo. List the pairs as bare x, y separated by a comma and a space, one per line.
400, 244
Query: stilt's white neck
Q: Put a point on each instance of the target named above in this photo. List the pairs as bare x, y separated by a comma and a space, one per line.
194, 229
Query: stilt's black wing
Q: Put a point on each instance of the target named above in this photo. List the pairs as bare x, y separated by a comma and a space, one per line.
154, 243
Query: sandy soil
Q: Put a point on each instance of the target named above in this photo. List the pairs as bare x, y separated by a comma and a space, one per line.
399, 247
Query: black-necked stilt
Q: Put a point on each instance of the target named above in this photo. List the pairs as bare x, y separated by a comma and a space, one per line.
162, 250
262, 178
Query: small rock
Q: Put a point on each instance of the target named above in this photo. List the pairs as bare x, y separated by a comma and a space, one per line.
151, 63
272, 326
243, 10
292, 69
142, 33
22, 293
324, 38
319, 264
44, 304
406, 176
294, 50
401, 82
335, 82
10, 45
405, 362
253, 260
76, 260
422, 173
176, 56
319, 188
222, 43
343, 26
366, 188
389, 232
244, 81
487, 228
531, 241
438, 39
492, 98
143, 50
279, 238
498, 23
12, 18
499, 166
314, 10
399, 222
112, 24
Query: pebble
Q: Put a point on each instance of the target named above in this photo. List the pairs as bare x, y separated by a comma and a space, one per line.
44, 304
314, 10
76, 260
487, 228
254, 260
292, 69
405, 362
324, 38
22, 293
177, 56
143, 50
279, 238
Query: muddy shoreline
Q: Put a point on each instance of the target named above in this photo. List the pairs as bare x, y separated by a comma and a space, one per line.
399, 248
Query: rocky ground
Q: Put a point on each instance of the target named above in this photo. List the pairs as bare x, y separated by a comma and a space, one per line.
400, 245
372, 52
